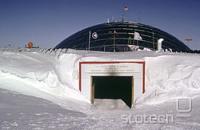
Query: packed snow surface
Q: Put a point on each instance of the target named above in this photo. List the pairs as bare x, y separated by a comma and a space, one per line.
51, 78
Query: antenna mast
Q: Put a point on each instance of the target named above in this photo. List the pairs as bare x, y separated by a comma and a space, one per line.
125, 9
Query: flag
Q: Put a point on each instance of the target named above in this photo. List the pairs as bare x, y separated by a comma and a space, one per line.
137, 36
94, 35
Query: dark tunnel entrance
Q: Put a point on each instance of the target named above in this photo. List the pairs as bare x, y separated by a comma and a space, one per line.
113, 87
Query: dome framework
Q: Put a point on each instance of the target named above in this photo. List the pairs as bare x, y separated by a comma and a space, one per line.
121, 36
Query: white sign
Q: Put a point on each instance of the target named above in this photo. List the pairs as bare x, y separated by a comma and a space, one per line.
111, 68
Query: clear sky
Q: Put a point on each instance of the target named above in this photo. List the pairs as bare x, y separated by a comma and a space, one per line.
48, 22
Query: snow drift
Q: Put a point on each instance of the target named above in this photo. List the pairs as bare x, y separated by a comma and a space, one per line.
172, 76
53, 75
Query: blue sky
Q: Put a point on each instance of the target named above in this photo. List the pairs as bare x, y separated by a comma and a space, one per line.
48, 22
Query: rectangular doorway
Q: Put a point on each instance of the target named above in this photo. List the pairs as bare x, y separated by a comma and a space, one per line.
113, 87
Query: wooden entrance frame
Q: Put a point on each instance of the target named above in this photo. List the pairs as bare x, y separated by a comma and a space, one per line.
111, 62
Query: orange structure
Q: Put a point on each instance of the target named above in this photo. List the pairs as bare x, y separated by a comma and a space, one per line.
29, 45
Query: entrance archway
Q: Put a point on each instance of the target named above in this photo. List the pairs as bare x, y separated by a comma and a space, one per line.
113, 87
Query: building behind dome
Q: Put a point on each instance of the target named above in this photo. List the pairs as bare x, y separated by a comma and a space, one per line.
121, 36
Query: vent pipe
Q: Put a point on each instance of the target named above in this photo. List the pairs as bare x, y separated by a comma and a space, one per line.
159, 44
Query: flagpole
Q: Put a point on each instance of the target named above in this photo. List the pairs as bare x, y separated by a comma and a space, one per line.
124, 13
89, 40
114, 40
153, 41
